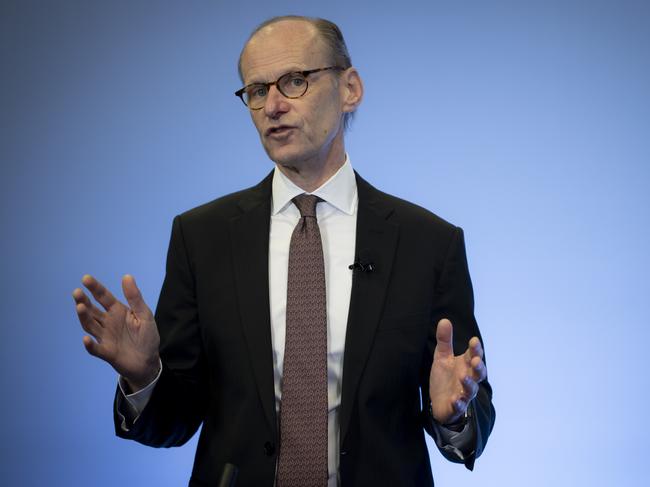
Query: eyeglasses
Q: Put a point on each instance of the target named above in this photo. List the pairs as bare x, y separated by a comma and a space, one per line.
291, 85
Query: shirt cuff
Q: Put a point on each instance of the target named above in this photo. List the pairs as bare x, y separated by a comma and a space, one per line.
454, 442
459, 444
130, 410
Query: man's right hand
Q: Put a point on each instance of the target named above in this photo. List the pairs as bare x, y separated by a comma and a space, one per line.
126, 338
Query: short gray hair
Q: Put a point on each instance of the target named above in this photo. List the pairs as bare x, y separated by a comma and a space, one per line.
331, 35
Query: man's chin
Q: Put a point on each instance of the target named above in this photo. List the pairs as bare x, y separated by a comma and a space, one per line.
286, 156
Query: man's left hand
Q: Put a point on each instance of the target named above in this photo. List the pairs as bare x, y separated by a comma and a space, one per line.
454, 380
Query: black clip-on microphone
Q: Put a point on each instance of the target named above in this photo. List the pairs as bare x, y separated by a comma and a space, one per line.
362, 266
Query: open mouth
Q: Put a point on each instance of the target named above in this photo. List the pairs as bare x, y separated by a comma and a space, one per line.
278, 131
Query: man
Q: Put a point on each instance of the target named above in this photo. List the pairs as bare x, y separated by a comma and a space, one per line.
298, 319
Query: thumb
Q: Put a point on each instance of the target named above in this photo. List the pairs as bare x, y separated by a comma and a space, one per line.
444, 339
133, 296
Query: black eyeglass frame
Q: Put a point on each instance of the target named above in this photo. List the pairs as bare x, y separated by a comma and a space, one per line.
240, 93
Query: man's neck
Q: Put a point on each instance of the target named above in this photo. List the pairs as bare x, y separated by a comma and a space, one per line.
312, 175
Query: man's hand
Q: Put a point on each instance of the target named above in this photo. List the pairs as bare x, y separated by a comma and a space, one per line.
454, 380
126, 338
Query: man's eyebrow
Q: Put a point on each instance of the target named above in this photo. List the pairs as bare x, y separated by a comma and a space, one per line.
290, 69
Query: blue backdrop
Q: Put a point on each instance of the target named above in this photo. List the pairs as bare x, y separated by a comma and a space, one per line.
526, 123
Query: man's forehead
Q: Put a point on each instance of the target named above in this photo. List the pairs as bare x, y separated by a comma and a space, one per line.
285, 30
280, 47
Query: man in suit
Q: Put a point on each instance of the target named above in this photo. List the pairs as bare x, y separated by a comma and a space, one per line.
395, 276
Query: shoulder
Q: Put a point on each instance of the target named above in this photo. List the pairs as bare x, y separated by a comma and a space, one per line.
229, 206
403, 212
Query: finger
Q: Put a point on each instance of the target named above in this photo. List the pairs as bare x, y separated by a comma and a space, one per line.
92, 347
470, 389
80, 298
99, 292
479, 371
475, 347
460, 406
134, 296
88, 322
444, 339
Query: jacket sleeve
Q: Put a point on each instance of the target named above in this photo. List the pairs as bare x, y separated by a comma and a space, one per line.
454, 300
177, 404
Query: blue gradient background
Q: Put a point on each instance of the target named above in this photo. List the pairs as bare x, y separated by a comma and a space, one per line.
526, 123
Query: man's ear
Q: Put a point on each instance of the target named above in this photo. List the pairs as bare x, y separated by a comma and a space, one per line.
352, 87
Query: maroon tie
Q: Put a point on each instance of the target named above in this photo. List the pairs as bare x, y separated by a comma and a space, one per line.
303, 410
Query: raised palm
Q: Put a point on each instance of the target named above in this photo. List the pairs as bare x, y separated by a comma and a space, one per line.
125, 337
453, 381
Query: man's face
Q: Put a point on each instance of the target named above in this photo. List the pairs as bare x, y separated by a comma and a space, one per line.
298, 131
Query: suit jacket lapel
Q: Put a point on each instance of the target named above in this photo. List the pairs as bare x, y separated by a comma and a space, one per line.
250, 250
376, 241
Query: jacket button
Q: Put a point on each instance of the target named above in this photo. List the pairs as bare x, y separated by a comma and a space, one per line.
269, 448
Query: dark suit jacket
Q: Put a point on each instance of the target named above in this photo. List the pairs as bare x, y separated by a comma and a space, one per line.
213, 318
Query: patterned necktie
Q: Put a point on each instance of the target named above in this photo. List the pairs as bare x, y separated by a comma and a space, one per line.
303, 410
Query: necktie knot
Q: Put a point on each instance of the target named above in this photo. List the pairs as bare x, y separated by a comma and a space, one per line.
306, 204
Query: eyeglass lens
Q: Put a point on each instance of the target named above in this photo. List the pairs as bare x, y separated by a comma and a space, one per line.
291, 85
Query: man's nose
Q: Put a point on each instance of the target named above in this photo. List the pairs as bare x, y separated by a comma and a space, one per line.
276, 103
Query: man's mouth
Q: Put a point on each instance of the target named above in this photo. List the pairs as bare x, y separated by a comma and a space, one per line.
279, 131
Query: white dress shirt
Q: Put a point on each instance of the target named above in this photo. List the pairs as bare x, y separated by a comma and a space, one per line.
337, 220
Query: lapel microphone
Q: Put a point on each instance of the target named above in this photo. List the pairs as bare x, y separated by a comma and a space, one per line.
362, 266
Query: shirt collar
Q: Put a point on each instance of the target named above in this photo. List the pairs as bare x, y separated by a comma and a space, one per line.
340, 190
